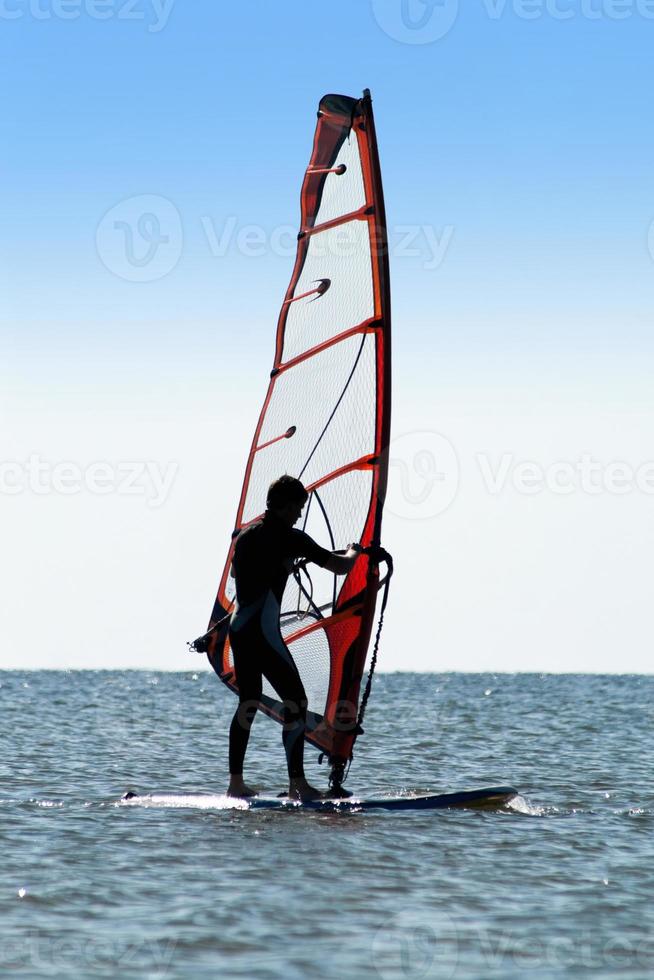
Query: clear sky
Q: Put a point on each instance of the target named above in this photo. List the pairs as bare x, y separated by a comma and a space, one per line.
518, 158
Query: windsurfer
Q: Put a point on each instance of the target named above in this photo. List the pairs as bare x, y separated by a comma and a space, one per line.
264, 555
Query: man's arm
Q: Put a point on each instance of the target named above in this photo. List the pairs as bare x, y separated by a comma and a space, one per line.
336, 562
340, 562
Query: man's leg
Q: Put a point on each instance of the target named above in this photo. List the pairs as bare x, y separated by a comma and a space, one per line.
248, 679
280, 670
285, 678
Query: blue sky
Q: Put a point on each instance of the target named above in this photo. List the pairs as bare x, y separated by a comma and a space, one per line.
517, 154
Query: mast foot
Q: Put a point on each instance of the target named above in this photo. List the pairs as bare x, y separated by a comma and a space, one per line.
336, 779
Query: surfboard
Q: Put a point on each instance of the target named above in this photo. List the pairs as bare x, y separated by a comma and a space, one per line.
493, 798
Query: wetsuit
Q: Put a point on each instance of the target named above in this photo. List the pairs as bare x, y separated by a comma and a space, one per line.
263, 559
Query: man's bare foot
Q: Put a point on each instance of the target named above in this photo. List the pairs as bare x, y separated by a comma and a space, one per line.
300, 789
239, 789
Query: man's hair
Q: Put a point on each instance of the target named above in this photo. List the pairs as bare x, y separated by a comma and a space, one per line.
284, 491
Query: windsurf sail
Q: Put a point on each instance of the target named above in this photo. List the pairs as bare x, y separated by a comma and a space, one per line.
326, 420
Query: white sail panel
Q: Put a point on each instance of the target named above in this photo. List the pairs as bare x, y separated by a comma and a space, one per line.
343, 255
330, 400
343, 193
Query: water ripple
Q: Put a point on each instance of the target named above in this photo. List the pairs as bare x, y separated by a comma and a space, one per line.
558, 885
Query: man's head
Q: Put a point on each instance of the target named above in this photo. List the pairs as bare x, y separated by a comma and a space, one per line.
286, 498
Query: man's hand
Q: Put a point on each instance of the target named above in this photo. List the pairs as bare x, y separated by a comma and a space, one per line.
340, 563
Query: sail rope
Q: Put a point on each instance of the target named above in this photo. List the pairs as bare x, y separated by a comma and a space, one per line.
379, 555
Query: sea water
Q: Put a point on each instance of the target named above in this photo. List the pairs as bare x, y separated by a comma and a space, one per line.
560, 886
